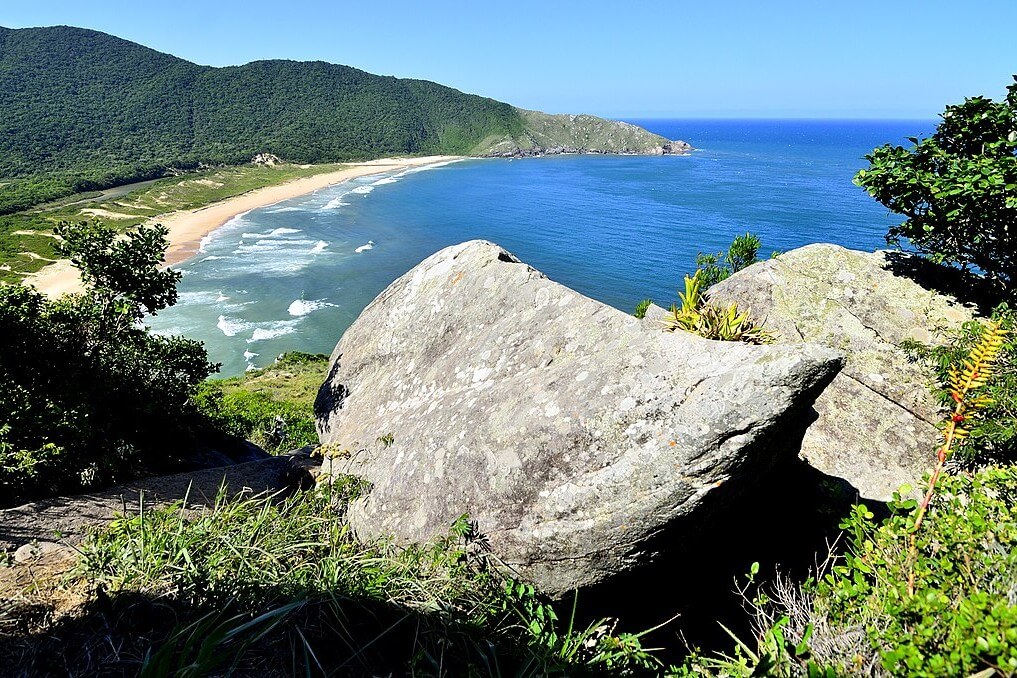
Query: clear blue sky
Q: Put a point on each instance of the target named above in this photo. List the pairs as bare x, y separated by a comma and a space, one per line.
707, 58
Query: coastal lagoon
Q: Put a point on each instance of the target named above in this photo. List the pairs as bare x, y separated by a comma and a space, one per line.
294, 275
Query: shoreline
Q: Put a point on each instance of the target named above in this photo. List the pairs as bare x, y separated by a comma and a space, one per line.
188, 227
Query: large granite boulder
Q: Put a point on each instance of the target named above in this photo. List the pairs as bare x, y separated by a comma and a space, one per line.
569, 431
877, 425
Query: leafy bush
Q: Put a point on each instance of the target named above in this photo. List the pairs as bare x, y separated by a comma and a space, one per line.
272, 407
963, 616
642, 307
859, 618
993, 435
956, 189
719, 266
89, 394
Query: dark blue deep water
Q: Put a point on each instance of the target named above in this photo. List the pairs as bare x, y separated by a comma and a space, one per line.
619, 229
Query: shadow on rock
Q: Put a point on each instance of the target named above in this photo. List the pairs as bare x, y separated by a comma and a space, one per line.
967, 288
788, 524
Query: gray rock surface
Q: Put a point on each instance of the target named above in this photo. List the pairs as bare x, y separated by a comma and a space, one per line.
571, 432
877, 420
43, 550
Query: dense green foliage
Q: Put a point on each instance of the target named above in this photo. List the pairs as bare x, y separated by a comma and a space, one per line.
859, 619
88, 393
962, 618
89, 110
642, 307
717, 266
957, 188
993, 434
291, 576
271, 407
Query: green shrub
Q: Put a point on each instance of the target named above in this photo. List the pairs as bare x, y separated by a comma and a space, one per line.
642, 307
956, 188
858, 617
272, 407
963, 616
993, 434
89, 395
742, 253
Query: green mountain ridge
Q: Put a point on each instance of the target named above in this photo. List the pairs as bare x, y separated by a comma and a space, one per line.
89, 110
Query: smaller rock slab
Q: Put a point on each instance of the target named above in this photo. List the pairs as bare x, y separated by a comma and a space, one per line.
877, 425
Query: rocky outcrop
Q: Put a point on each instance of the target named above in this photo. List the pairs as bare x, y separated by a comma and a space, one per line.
266, 160
877, 420
573, 434
546, 134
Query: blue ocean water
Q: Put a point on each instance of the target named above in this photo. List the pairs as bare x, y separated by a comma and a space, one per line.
294, 275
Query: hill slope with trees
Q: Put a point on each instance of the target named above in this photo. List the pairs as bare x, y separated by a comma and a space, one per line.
89, 109
81, 110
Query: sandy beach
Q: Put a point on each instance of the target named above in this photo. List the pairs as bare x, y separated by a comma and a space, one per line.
188, 227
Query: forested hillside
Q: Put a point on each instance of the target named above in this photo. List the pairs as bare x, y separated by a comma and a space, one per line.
87, 110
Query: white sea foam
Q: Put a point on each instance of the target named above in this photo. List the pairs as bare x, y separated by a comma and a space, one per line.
386, 180
425, 168
273, 246
301, 307
319, 247
221, 298
248, 355
212, 257
230, 326
198, 298
274, 233
363, 190
273, 330
266, 261
204, 243
289, 242
285, 209
335, 203
364, 248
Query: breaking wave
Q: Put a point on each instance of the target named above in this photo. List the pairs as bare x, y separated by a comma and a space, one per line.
302, 307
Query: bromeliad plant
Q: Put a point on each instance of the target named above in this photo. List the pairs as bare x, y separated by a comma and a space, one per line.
698, 316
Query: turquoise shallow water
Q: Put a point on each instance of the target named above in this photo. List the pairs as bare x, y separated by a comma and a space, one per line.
294, 275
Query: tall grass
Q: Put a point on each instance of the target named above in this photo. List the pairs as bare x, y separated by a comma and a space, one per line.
273, 585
